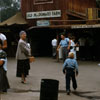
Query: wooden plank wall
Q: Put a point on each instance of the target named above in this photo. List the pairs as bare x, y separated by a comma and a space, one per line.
63, 5
80, 5
76, 5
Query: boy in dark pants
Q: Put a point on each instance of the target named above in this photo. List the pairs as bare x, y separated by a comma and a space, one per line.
70, 69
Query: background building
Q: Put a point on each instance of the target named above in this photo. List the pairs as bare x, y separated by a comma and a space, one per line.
46, 19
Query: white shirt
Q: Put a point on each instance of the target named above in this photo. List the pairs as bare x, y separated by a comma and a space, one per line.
73, 45
54, 42
73, 49
3, 37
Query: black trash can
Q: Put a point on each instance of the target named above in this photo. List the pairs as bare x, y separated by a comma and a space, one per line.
49, 89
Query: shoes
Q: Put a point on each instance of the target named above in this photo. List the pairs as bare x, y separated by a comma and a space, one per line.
74, 89
23, 81
68, 92
3, 92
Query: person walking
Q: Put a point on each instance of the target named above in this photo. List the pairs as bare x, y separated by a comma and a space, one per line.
65, 44
70, 69
22, 56
4, 84
54, 47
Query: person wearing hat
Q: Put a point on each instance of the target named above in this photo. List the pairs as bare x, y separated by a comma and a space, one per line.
65, 44
70, 69
22, 56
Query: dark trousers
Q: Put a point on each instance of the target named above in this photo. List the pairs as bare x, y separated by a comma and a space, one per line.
54, 50
70, 75
64, 53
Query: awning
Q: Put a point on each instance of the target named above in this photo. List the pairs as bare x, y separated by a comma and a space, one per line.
16, 19
77, 26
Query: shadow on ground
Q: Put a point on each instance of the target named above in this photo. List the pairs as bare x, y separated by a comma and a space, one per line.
86, 94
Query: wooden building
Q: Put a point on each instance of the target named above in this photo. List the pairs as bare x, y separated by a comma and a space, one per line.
36, 10
48, 18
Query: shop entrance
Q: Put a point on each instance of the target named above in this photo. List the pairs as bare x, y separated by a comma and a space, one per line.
40, 40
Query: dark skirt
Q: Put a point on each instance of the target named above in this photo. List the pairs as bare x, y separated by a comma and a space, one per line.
4, 85
23, 67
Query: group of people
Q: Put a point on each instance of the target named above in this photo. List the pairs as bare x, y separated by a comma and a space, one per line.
67, 44
70, 66
23, 55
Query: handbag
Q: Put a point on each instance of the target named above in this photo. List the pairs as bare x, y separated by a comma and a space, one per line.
31, 59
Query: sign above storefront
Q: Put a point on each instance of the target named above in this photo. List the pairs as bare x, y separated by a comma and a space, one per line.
43, 23
42, 1
43, 14
85, 26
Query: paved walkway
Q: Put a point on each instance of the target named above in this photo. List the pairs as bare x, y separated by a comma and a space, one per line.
88, 80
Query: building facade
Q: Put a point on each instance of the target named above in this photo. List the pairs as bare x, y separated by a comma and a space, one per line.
36, 10
48, 18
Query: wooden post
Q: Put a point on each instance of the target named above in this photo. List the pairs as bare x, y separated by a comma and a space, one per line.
91, 15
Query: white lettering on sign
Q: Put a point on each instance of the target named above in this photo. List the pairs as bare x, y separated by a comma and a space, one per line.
84, 26
43, 14
43, 23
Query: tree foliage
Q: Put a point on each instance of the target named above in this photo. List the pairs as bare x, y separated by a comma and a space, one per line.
8, 8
